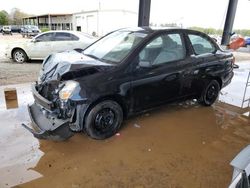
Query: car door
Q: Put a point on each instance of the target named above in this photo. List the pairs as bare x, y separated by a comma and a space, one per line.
157, 69
204, 58
40, 46
64, 41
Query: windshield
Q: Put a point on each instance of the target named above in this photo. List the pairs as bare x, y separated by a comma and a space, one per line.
115, 46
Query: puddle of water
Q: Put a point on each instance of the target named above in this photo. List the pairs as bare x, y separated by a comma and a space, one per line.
179, 145
19, 151
234, 92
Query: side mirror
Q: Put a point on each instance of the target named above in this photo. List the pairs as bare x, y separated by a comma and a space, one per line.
145, 64
35, 40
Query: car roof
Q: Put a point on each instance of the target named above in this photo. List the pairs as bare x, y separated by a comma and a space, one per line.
150, 30
77, 33
64, 31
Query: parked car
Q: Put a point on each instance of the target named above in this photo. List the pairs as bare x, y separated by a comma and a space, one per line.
47, 43
247, 41
15, 28
241, 172
30, 31
126, 72
6, 30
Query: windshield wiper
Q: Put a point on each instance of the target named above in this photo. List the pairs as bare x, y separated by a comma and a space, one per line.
108, 61
92, 56
100, 59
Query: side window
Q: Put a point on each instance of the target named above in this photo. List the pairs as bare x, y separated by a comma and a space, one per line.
73, 37
201, 45
61, 36
45, 37
163, 49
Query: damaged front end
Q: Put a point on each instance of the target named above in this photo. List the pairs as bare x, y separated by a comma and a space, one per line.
53, 114
60, 101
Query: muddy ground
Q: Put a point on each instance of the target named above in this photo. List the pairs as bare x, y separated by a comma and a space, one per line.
178, 145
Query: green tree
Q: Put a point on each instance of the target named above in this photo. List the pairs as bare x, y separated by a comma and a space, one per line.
3, 18
16, 16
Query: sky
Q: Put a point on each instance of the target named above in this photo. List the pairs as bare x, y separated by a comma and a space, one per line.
203, 13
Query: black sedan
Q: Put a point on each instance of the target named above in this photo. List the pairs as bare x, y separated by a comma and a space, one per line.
124, 73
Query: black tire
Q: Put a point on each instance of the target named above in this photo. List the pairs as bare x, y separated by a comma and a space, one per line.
104, 120
19, 56
210, 93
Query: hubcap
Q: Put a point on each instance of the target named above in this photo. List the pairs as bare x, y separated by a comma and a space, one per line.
104, 120
19, 56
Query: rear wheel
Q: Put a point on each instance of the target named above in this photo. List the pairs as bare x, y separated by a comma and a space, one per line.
210, 93
19, 56
104, 120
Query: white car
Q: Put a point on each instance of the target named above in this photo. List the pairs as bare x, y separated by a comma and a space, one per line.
47, 43
241, 172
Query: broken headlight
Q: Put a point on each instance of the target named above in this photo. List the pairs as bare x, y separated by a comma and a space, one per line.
67, 90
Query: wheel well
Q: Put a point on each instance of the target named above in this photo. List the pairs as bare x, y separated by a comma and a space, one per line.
116, 98
218, 79
17, 48
206, 80
209, 78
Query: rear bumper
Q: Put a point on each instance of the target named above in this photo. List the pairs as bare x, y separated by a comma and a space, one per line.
228, 79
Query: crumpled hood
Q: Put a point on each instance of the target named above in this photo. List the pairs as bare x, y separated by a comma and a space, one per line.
57, 65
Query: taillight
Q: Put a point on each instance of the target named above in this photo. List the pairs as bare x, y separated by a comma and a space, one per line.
233, 61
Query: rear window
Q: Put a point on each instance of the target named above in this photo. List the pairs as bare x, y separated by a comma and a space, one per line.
45, 37
61, 36
201, 45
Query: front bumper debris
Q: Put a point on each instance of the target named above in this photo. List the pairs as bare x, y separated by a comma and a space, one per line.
47, 128
40, 99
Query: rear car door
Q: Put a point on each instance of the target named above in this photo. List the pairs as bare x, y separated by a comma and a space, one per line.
157, 69
40, 47
65, 41
206, 59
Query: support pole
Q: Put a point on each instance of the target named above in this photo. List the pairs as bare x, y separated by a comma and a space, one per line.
49, 18
38, 24
228, 27
144, 13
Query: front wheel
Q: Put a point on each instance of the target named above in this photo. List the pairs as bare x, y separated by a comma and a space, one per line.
19, 56
104, 120
210, 93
